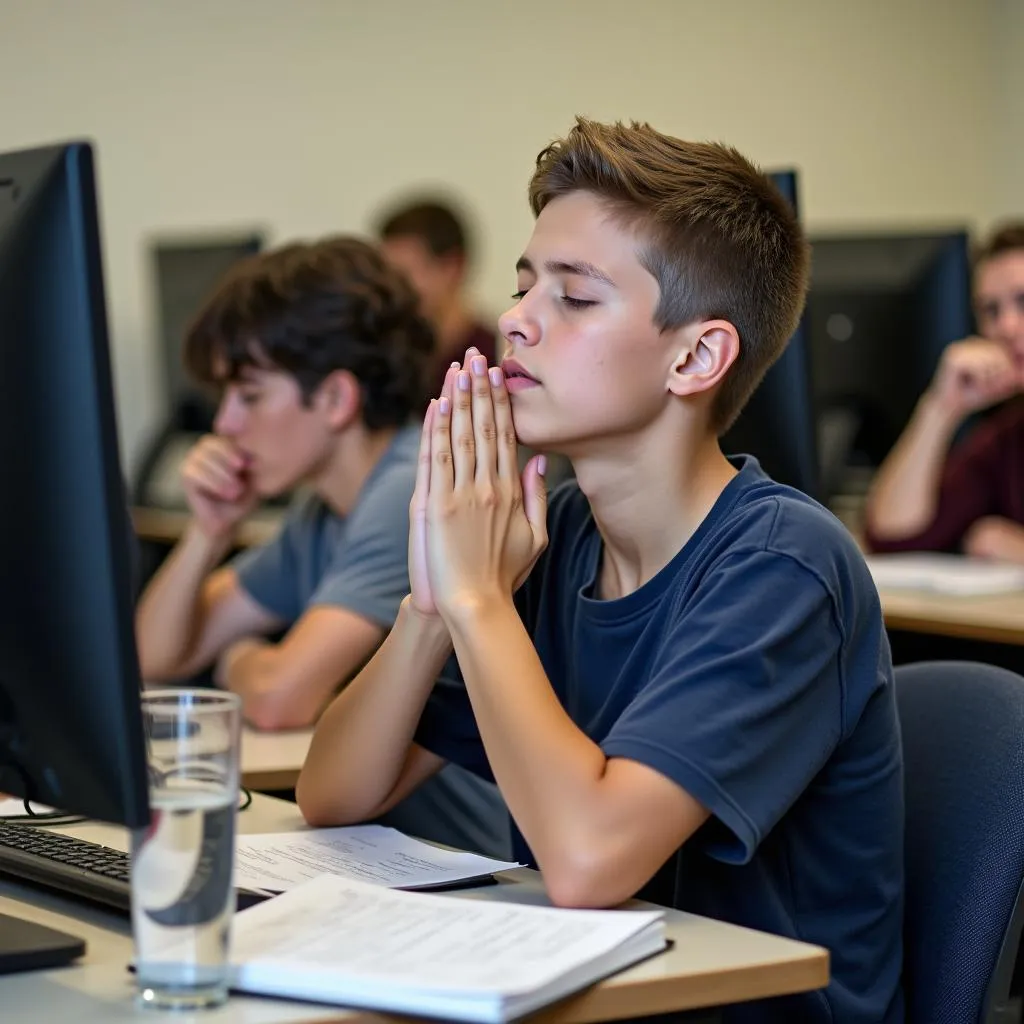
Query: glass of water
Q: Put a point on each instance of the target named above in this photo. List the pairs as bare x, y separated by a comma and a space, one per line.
182, 865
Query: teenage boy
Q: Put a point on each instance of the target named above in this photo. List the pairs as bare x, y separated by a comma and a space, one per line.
688, 695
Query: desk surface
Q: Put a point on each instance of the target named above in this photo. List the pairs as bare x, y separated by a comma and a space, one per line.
273, 760
166, 526
997, 618
710, 963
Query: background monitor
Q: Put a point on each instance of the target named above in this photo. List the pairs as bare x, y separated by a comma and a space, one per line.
70, 723
185, 273
778, 423
881, 309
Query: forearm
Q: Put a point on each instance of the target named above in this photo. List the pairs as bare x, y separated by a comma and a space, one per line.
168, 619
549, 772
904, 497
363, 738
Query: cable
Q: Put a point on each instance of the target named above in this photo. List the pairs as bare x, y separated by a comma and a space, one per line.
57, 819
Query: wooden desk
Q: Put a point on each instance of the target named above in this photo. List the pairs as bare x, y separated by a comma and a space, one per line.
710, 964
273, 760
994, 618
165, 526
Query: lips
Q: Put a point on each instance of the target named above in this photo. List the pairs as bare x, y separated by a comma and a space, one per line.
514, 370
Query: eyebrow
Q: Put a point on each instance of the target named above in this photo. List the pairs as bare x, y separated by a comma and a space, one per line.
578, 268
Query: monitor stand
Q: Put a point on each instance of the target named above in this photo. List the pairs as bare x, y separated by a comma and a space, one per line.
26, 946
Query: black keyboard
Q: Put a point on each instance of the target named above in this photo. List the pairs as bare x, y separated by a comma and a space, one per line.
73, 867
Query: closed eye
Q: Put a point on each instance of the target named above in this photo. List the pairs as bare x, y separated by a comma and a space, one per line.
577, 303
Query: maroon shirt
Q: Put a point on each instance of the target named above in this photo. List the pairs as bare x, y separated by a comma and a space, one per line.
984, 476
484, 338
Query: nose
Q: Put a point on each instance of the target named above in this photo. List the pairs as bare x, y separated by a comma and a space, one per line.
230, 414
517, 326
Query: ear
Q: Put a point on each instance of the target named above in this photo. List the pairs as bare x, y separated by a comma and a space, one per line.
339, 399
706, 352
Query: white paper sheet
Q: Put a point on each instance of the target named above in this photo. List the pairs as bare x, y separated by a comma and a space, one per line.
945, 574
367, 853
464, 959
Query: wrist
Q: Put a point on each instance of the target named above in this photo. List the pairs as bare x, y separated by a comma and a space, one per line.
423, 628
937, 413
469, 612
211, 547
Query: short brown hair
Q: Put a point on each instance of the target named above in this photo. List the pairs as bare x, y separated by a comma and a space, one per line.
310, 309
434, 222
722, 241
1006, 238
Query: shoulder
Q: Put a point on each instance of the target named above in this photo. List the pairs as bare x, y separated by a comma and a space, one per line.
777, 528
394, 477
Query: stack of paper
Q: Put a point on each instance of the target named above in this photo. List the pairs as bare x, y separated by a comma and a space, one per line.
360, 945
944, 574
367, 853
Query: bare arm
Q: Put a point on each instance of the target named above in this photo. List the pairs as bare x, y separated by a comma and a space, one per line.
190, 611
600, 828
904, 495
285, 685
904, 498
362, 759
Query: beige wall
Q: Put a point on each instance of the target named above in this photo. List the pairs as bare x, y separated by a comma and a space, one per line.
306, 115
1008, 109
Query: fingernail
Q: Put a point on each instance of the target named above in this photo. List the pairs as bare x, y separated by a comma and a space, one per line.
445, 405
472, 351
478, 365
463, 380
542, 465
496, 376
454, 366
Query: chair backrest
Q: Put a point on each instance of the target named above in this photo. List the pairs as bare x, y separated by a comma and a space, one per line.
963, 744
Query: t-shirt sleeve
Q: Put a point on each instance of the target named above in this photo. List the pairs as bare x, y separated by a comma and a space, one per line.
369, 573
745, 704
269, 574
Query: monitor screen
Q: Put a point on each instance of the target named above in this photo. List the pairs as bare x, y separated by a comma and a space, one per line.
777, 425
70, 724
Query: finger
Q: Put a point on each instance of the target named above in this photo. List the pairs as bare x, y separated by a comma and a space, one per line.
483, 422
223, 451
448, 388
441, 471
463, 441
535, 497
504, 428
214, 477
422, 488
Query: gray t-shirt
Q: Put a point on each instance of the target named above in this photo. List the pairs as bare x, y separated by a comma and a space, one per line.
357, 562
360, 562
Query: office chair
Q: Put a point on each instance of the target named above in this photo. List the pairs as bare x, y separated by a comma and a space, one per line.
963, 744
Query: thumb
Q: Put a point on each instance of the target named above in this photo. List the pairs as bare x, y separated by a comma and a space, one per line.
535, 496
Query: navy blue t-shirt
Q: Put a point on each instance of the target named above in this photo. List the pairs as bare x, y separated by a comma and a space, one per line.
754, 671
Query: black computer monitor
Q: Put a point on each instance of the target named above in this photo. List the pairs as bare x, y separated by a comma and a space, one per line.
70, 723
185, 271
778, 423
881, 309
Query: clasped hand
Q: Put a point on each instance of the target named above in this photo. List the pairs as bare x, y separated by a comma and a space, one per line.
476, 527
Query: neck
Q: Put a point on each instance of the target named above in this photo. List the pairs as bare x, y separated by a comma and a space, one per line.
679, 490
347, 467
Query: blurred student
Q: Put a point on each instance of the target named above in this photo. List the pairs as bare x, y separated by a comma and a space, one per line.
971, 499
317, 351
429, 243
